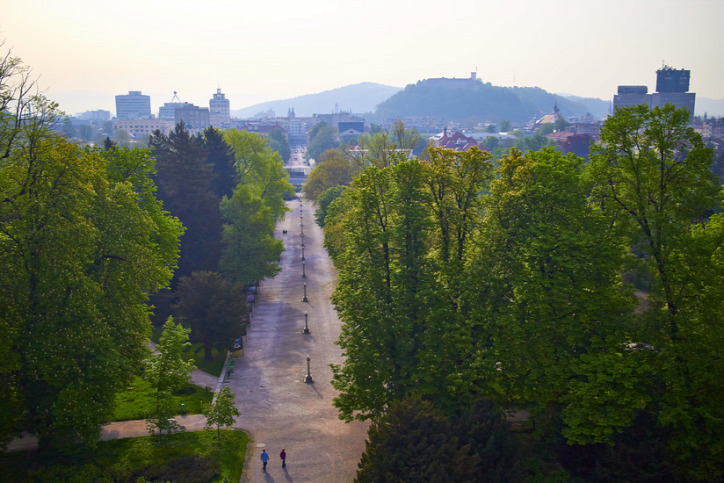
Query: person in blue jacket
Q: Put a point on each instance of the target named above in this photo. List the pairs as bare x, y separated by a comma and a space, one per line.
264, 458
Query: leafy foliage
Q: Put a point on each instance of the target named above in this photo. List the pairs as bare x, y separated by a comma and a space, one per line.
83, 242
223, 412
212, 308
167, 370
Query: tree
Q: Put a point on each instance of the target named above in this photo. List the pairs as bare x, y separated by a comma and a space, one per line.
384, 278
549, 305
83, 242
332, 169
250, 251
279, 143
222, 412
325, 199
221, 158
184, 179
166, 370
652, 178
322, 137
212, 308
413, 441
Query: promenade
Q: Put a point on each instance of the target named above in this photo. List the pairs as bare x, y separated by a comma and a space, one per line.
278, 409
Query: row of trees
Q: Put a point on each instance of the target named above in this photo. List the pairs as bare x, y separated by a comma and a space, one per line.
228, 189
458, 281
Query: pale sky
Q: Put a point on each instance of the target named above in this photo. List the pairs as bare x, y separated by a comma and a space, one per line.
276, 49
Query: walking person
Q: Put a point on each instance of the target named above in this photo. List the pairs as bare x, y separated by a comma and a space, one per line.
264, 458
283, 456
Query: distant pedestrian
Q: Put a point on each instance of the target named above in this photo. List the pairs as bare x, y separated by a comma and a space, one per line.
264, 458
283, 456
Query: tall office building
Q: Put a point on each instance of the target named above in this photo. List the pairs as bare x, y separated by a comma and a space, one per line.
672, 87
133, 105
219, 110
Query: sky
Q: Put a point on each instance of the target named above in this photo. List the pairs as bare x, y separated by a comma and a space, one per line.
84, 52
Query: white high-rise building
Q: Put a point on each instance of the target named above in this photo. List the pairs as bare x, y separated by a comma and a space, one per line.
219, 110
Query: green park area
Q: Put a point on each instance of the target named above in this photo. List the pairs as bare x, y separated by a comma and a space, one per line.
197, 456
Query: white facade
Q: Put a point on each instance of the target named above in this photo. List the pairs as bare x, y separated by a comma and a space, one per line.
219, 110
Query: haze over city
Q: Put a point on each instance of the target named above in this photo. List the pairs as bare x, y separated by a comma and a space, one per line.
85, 53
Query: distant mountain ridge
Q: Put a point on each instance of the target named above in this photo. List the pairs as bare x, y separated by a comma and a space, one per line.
356, 98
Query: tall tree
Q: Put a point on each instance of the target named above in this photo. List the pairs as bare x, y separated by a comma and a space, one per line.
184, 179
652, 178
250, 251
83, 242
221, 158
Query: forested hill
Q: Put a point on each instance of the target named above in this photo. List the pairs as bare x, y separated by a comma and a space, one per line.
471, 99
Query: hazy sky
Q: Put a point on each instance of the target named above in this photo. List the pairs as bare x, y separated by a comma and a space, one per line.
276, 49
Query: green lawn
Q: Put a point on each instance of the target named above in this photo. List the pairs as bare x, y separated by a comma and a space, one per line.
137, 403
183, 457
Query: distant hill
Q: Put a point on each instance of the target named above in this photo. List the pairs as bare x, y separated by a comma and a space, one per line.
464, 100
356, 98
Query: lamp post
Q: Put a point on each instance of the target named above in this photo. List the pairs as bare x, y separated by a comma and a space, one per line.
305, 299
304, 271
303, 254
302, 239
308, 378
306, 326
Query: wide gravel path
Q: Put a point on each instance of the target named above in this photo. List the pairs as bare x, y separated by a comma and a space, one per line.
278, 408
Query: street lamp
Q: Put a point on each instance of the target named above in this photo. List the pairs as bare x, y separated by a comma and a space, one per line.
303, 253
305, 299
306, 325
308, 378
304, 271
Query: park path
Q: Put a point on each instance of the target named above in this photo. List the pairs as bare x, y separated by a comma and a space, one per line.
278, 408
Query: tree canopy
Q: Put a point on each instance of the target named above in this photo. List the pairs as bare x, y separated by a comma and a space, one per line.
83, 242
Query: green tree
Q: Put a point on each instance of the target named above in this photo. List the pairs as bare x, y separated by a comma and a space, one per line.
184, 179
279, 143
325, 199
413, 441
212, 308
383, 280
250, 251
549, 304
166, 370
652, 178
222, 412
83, 243
333, 169
322, 137
221, 158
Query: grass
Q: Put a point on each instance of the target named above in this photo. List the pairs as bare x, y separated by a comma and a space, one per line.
214, 366
182, 457
138, 402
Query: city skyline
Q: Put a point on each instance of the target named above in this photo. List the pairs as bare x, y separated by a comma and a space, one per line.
83, 55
